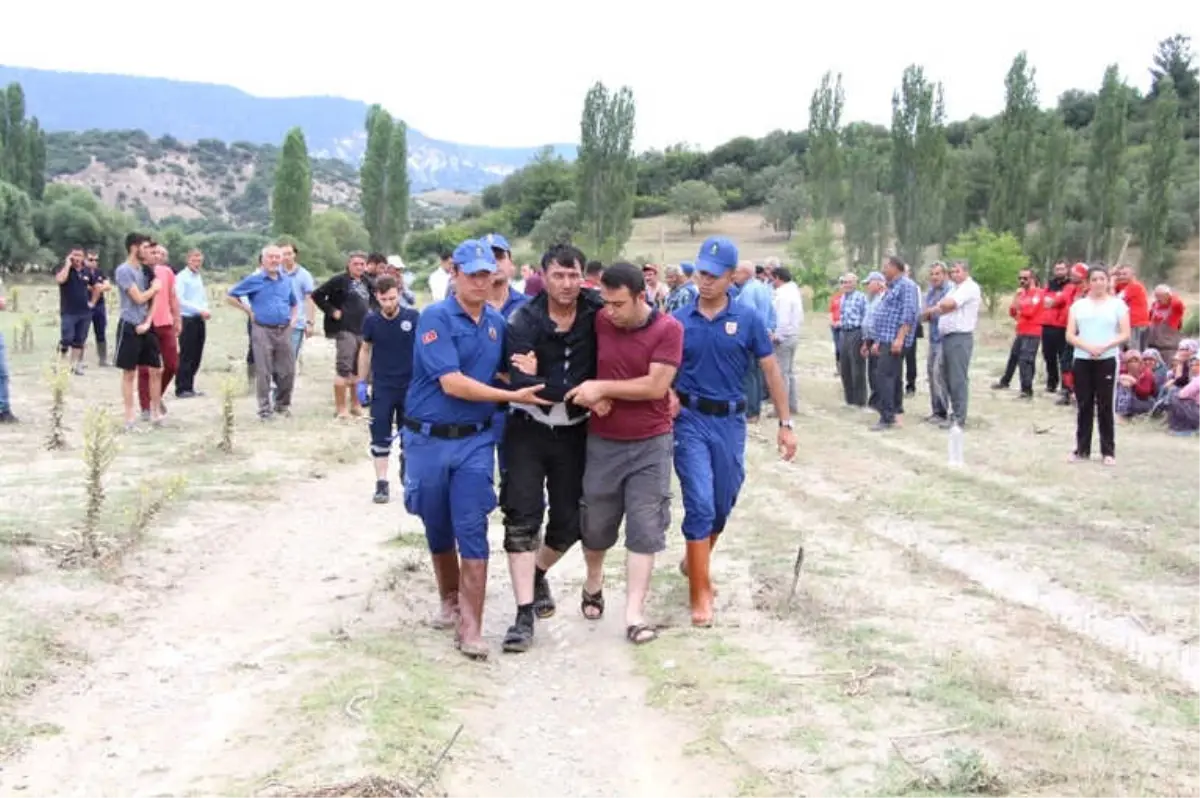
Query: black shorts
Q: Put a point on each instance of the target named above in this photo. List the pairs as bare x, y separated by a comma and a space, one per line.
135, 350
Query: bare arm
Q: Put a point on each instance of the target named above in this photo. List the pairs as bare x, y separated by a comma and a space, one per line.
1073, 329
652, 386
233, 301
364, 360
62, 274
775, 386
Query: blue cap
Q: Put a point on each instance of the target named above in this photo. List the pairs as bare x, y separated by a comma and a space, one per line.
496, 241
472, 257
687, 268
873, 276
717, 256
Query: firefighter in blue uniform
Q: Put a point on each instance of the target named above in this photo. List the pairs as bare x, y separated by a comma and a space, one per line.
721, 339
448, 439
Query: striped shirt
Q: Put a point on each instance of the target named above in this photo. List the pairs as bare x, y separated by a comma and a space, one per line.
854, 310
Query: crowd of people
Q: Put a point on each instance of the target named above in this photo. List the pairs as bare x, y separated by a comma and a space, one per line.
584, 387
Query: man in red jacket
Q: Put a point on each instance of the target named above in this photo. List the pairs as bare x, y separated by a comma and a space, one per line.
1026, 308
1128, 288
1054, 324
1167, 309
1072, 291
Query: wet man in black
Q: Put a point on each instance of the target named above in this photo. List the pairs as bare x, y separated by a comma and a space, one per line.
550, 340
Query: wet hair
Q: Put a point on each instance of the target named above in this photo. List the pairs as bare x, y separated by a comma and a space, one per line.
563, 255
386, 283
624, 275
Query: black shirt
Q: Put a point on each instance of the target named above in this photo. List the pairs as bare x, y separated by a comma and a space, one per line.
564, 359
352, 297
75, 293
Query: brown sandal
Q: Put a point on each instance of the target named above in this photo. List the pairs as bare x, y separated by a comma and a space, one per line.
593, 601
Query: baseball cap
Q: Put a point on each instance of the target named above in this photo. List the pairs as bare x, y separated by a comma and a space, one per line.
687, 268
717, 256
496, 241
1079, 270
472, 257
875, 276
395, 261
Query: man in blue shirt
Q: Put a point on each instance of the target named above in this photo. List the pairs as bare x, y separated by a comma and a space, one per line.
303, 286
753, 292
385, 362
893, 329
682, 290
939, 286
272, 311
193, 308
448, 441
722, 339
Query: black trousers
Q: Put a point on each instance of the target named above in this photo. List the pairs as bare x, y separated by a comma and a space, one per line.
541, 457
1054, 341
1095, 389
910, 367
191, 351
890, 384
1022, 358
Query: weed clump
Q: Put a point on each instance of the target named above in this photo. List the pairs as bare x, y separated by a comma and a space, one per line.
59, 377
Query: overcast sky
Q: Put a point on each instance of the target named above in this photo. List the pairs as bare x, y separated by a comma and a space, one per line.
514, 73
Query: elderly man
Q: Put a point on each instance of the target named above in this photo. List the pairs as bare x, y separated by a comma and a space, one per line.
956, 315
789, 314
893, 328
1129, 289
757, 294
683, 291
938, 288
852, 365
272, 311
875, 285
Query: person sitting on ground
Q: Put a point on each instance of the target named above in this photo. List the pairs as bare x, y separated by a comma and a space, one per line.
1154, 361
1183, 408
1135, 387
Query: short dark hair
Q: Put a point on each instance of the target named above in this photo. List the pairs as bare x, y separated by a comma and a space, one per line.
897, 262
386, 283
624, 275
564, 255
136, 240
782, 273
376, 257
445, 254
594, 267
284, 243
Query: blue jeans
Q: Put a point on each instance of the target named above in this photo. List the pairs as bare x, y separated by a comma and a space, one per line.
297, 342
754, 385
4, 406
710, 461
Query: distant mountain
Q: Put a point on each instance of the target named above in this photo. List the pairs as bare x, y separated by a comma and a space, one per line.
190, 112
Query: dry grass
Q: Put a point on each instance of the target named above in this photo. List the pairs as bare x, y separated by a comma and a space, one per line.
665, 239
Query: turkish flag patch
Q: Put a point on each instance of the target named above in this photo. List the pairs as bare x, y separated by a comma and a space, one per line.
429, 337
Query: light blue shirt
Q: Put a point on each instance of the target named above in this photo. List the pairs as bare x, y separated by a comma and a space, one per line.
757, 294
189, 290
1098, 323
302, 288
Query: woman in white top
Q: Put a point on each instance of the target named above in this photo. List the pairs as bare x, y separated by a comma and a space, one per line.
1097, 325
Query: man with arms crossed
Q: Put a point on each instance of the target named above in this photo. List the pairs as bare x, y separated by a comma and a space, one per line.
629, 448
345, 299
272, 310
721, 338
385, 361
552, 340
448, 442
136, 344
956, 315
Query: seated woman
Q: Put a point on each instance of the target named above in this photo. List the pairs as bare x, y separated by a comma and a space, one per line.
1135, 387
1183, 408
1153, 360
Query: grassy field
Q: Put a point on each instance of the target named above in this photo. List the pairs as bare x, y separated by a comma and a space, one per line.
1018, 626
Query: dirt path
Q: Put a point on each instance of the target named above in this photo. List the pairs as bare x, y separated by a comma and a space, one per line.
222, 631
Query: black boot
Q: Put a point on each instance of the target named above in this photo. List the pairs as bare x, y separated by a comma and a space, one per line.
520, 634
543, 599
102, 353
381, 491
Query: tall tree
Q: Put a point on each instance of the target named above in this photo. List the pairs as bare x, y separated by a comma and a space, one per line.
373, 176
17, 239
1174, 60
14, 152
291, 204
1155, 215
1106, 165
36, 143
866, 216
397, 187
1014, 150
824, 156
1052, 189
918, 162
606, 170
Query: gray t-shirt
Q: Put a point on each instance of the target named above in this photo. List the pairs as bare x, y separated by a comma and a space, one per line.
129, 275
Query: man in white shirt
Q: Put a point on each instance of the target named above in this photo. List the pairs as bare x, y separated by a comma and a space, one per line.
439, 281
956, 316
789, 320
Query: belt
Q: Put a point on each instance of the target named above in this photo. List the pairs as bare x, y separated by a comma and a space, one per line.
283, 326
711, 407
446, 431
525, 415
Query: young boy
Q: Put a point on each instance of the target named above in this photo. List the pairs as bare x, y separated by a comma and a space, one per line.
386, 362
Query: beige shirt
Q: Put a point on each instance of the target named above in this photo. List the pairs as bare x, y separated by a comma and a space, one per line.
965, 316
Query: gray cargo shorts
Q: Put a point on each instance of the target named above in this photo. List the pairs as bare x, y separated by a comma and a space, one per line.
630, 480
345, 353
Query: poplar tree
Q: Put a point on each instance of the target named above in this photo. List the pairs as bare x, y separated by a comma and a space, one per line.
291, 203
1052, 189
606, 170
918, 162
396, 190
1014, 151
373, 176
1106, 165
1154, 219
824, 156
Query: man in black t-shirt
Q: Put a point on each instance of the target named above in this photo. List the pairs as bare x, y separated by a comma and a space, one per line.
74, 307
345, 300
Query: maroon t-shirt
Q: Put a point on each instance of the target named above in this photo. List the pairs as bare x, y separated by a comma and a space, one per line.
626, 355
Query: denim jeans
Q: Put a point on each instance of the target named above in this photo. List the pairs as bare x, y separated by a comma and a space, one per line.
753, 384
4, 406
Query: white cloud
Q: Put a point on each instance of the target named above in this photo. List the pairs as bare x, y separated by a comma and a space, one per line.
515, 73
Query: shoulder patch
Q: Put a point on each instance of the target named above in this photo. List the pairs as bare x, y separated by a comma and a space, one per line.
429, 337
491, 332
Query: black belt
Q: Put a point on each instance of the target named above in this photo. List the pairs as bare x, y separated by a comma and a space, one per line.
711, 407
446, 431
283, 326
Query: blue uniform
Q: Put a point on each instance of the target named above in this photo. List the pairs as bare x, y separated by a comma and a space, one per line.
710, 432
448, 442
515, 300
391, 372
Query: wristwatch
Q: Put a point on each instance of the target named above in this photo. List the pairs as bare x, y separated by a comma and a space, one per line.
787, 424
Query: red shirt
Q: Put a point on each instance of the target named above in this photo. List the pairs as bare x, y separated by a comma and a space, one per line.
1134, 294
1026, 308
1055, 305
1170, 314
835, 309
626, 355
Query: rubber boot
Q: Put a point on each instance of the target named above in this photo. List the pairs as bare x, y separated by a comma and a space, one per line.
102, 353
699, 553
445, 570
712, 543
472, 591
